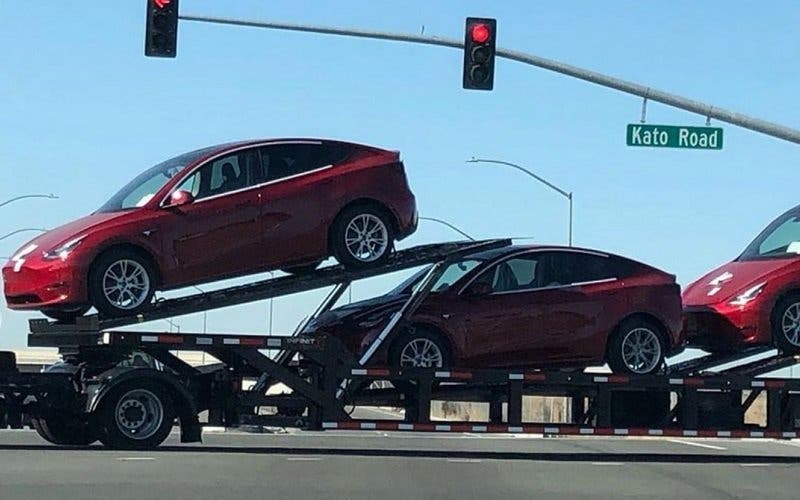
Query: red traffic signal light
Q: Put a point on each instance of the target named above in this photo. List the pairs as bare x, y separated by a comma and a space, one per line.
161, 32
480, 35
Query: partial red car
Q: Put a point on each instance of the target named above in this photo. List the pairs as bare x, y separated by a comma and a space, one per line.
525, 306
218, 212
754, 300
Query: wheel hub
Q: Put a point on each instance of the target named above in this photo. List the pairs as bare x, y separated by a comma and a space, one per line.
366, 237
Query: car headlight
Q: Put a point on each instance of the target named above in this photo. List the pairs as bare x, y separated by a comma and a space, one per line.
748, 295
62, 251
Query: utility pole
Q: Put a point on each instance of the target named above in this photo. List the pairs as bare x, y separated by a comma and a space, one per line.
643, 91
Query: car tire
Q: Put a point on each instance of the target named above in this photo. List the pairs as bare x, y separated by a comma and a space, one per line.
301, 270
362, 236
636, 347
127, 264
136, 415
63, 431
420, 347
786, 324
65, 315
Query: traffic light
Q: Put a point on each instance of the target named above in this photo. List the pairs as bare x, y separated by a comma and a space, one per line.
161, 35
479, 46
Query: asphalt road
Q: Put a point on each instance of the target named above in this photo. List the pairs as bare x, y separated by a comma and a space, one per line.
389, 466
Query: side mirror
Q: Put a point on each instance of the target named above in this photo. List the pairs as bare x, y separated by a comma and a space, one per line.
479, 289
180, 197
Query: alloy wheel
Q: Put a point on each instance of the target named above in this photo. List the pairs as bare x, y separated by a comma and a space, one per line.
790, 324
421, 353
366, 237
126, 284
641, 350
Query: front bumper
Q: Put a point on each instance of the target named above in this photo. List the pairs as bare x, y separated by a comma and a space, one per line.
42, 285
725, 328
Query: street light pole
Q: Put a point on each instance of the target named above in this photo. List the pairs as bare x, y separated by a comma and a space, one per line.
562, 192
49, 196
205, 313
23, 230
451, 226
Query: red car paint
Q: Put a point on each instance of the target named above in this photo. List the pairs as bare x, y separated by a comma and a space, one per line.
264, 224
559, 325
715, 320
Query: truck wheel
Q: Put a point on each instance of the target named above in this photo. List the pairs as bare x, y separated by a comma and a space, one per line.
786, 324
63, 431
121, 283
362, 236
636, 347
137, 415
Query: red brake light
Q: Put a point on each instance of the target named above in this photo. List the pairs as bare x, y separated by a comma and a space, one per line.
480, 33
161, 3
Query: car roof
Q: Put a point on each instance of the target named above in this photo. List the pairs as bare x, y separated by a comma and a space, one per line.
277, 140
512, 249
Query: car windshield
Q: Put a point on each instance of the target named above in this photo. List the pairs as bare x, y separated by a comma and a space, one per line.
142, 188
781, 239
453, 273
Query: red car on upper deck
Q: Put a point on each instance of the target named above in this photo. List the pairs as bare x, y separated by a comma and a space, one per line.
753, 300
218, 212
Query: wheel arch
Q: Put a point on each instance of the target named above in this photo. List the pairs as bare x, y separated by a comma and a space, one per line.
430, 327
663, 331
364, 200
183, 401
773, 310
133, 247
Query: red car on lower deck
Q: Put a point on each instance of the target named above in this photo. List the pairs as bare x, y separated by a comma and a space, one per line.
215, 213
523, 306
754, 300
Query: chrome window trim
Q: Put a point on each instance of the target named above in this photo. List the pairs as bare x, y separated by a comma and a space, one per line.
234, 150
540, 250
545, 288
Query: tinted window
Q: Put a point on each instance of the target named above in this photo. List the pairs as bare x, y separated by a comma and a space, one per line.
285, 160
222, 175
566, 268
518, 273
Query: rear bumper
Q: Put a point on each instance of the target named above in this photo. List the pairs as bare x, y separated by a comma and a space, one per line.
407, 219
44, 285
720, 328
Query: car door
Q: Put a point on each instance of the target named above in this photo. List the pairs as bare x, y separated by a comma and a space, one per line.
218, 234
503, 327
295, 194
579, 287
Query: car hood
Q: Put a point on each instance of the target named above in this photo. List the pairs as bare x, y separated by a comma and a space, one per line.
54, 237
357, 311
733, 278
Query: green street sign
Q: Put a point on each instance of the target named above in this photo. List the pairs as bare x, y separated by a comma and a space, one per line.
671, 136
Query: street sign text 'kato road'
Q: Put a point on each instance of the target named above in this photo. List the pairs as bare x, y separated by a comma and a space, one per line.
671, 136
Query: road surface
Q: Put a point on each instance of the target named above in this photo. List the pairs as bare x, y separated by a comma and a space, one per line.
389, 466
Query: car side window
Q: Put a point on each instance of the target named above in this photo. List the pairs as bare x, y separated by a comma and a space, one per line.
566, 268
515, 274
223, 175
279, 161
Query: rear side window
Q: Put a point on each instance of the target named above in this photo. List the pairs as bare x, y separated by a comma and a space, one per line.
569, 267
280, 161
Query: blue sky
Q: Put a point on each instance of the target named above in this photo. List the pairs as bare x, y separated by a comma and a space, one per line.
82, 111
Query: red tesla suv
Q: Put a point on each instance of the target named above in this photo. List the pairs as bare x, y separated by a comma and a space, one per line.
753, 300
215, 213
525, 307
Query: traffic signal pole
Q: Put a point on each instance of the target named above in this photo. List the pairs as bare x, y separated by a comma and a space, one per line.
741, 120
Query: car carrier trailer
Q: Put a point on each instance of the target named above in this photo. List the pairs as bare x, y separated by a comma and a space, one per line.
97, 393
